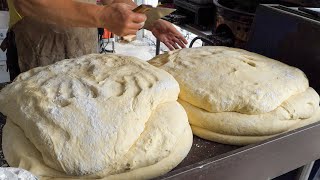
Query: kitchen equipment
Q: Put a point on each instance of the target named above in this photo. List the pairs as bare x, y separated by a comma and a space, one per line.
291, 36
229, 20
307, 3
234, 21
203, 2
312, 11
199, 15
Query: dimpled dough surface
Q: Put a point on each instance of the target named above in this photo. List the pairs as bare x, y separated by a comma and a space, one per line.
221, 79
84, 115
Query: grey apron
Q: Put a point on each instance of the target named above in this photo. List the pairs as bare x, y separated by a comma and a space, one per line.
40, 44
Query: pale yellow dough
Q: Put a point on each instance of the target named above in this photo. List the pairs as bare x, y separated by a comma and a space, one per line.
222, 79
164, 143
245, 140
295, 109
86, 116
233, 96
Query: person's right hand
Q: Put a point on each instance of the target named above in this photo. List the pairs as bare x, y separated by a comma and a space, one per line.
121, 20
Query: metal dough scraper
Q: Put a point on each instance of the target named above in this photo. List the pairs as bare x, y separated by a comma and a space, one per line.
153, 13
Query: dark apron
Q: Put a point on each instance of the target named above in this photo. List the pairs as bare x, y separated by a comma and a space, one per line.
41, 44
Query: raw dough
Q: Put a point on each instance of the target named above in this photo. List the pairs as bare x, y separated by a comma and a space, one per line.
233, 96
165, 142
220, 79
85, 115
297, 108
245, 140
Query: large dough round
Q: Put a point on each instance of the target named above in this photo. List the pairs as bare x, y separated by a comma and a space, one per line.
221, 79
297, 108
164, 143
84, 115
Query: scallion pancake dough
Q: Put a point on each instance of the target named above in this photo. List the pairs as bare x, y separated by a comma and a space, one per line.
85, 115
222, 79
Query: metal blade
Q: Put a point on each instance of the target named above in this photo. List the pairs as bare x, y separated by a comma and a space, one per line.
153, 14
156, 13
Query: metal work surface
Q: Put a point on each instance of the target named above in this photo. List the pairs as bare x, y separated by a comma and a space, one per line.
268, 159
265, 160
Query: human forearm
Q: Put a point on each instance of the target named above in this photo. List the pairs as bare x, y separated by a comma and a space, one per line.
62, 12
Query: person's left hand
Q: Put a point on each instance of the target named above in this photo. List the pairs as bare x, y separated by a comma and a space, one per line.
168, 34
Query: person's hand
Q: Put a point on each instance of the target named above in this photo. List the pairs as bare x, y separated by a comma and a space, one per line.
121, 20
168, 34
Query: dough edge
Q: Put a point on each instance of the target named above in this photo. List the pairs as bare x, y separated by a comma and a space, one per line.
274, 122
148, 172
246, 140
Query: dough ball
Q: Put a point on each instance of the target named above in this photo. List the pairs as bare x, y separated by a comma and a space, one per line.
233, 96
84, 116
